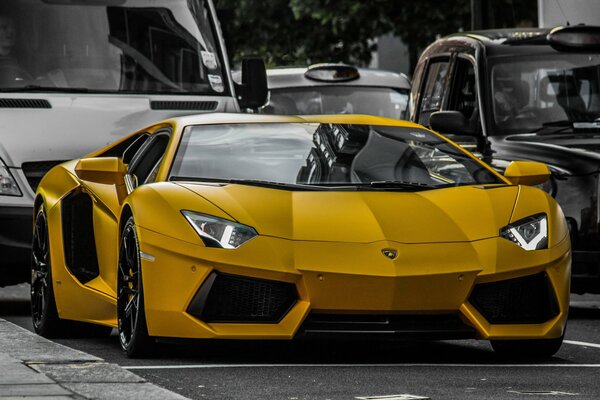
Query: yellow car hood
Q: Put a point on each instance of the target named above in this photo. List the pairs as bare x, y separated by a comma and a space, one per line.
455, 214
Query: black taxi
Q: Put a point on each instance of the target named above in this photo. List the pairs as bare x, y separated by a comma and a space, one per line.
525, 94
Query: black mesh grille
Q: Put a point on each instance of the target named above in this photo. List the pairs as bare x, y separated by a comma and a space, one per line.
35, 171
24, 103
441, 326
184, 105
526, 300
231, 298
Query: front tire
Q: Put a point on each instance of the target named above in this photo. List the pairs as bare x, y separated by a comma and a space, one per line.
133, 331
524, 349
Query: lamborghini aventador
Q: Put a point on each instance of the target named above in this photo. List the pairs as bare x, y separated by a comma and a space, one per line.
244, 226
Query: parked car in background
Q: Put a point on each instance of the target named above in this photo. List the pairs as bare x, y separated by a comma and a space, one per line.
336, 89
526, 94
77, 75
245, 226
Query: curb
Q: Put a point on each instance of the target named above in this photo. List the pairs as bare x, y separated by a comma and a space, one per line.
34, 367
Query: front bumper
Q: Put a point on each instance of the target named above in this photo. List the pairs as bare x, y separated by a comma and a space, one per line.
15, 244
426, 281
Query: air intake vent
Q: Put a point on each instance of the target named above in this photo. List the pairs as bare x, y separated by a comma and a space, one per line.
526, 300
434, 326
232, 298
184, 105
35, 171
24, 103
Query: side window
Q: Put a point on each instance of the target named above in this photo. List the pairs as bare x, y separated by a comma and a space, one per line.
146, 161
434, 91
463, 97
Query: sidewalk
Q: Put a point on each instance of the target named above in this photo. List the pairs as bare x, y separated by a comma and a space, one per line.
36, 368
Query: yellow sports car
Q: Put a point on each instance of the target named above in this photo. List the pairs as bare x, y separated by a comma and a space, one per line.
239, 226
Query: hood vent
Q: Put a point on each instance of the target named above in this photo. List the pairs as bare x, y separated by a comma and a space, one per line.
184, 105
24, 103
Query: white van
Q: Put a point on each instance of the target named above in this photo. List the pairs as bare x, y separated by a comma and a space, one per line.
77, 74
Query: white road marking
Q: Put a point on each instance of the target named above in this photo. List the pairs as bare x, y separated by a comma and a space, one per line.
543, 393
214, 366
584, 344
395, 397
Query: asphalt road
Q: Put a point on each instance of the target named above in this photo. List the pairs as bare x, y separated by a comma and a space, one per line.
354, 370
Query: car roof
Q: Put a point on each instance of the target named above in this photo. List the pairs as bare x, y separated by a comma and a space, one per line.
246, 118
294, 77
508, 36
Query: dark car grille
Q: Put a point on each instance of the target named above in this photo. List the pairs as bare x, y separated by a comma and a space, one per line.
35, 171
232, 298
527, 300
24, 103
184, 105
436, 326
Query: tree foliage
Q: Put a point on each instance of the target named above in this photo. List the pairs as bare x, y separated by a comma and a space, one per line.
301, 32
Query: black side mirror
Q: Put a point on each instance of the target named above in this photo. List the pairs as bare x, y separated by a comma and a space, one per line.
452, 122
252, 92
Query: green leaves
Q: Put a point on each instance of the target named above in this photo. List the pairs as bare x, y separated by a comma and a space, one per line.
303, 32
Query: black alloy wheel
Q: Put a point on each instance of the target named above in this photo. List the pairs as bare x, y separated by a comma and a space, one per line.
43, 307
133, 331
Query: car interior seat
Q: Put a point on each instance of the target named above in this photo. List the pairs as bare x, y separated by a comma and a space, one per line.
387, 159
569, 99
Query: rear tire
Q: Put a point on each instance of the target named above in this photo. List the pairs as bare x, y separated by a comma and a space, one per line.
131, 315
524, 349
44, 314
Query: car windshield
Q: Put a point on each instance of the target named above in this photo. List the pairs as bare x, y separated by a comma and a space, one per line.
325, 154
134, 46
551, 93
383, 102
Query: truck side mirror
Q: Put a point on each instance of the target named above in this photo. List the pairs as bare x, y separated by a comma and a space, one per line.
529, 173
452, 122
252, 92
107, 170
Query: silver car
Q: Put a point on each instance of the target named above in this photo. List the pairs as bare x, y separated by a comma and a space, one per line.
336, 89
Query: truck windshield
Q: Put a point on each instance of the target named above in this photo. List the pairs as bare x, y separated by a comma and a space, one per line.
546, 93
132, 46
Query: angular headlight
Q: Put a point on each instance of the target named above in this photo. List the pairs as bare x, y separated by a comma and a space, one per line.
219, 232
530, 233
8, 185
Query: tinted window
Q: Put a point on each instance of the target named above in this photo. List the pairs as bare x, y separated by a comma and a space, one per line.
434, 90
149, 156
318, 154
546, 92
464, 96
382, 102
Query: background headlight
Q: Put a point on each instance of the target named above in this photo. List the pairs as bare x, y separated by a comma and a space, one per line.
8, 185
219, 232
530, 233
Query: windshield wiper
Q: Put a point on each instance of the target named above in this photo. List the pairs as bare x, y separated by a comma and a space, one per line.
559, 126
404, 185
249, 182
314, 186
38, 88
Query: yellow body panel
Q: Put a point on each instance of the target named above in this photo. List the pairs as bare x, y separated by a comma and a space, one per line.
327, 243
